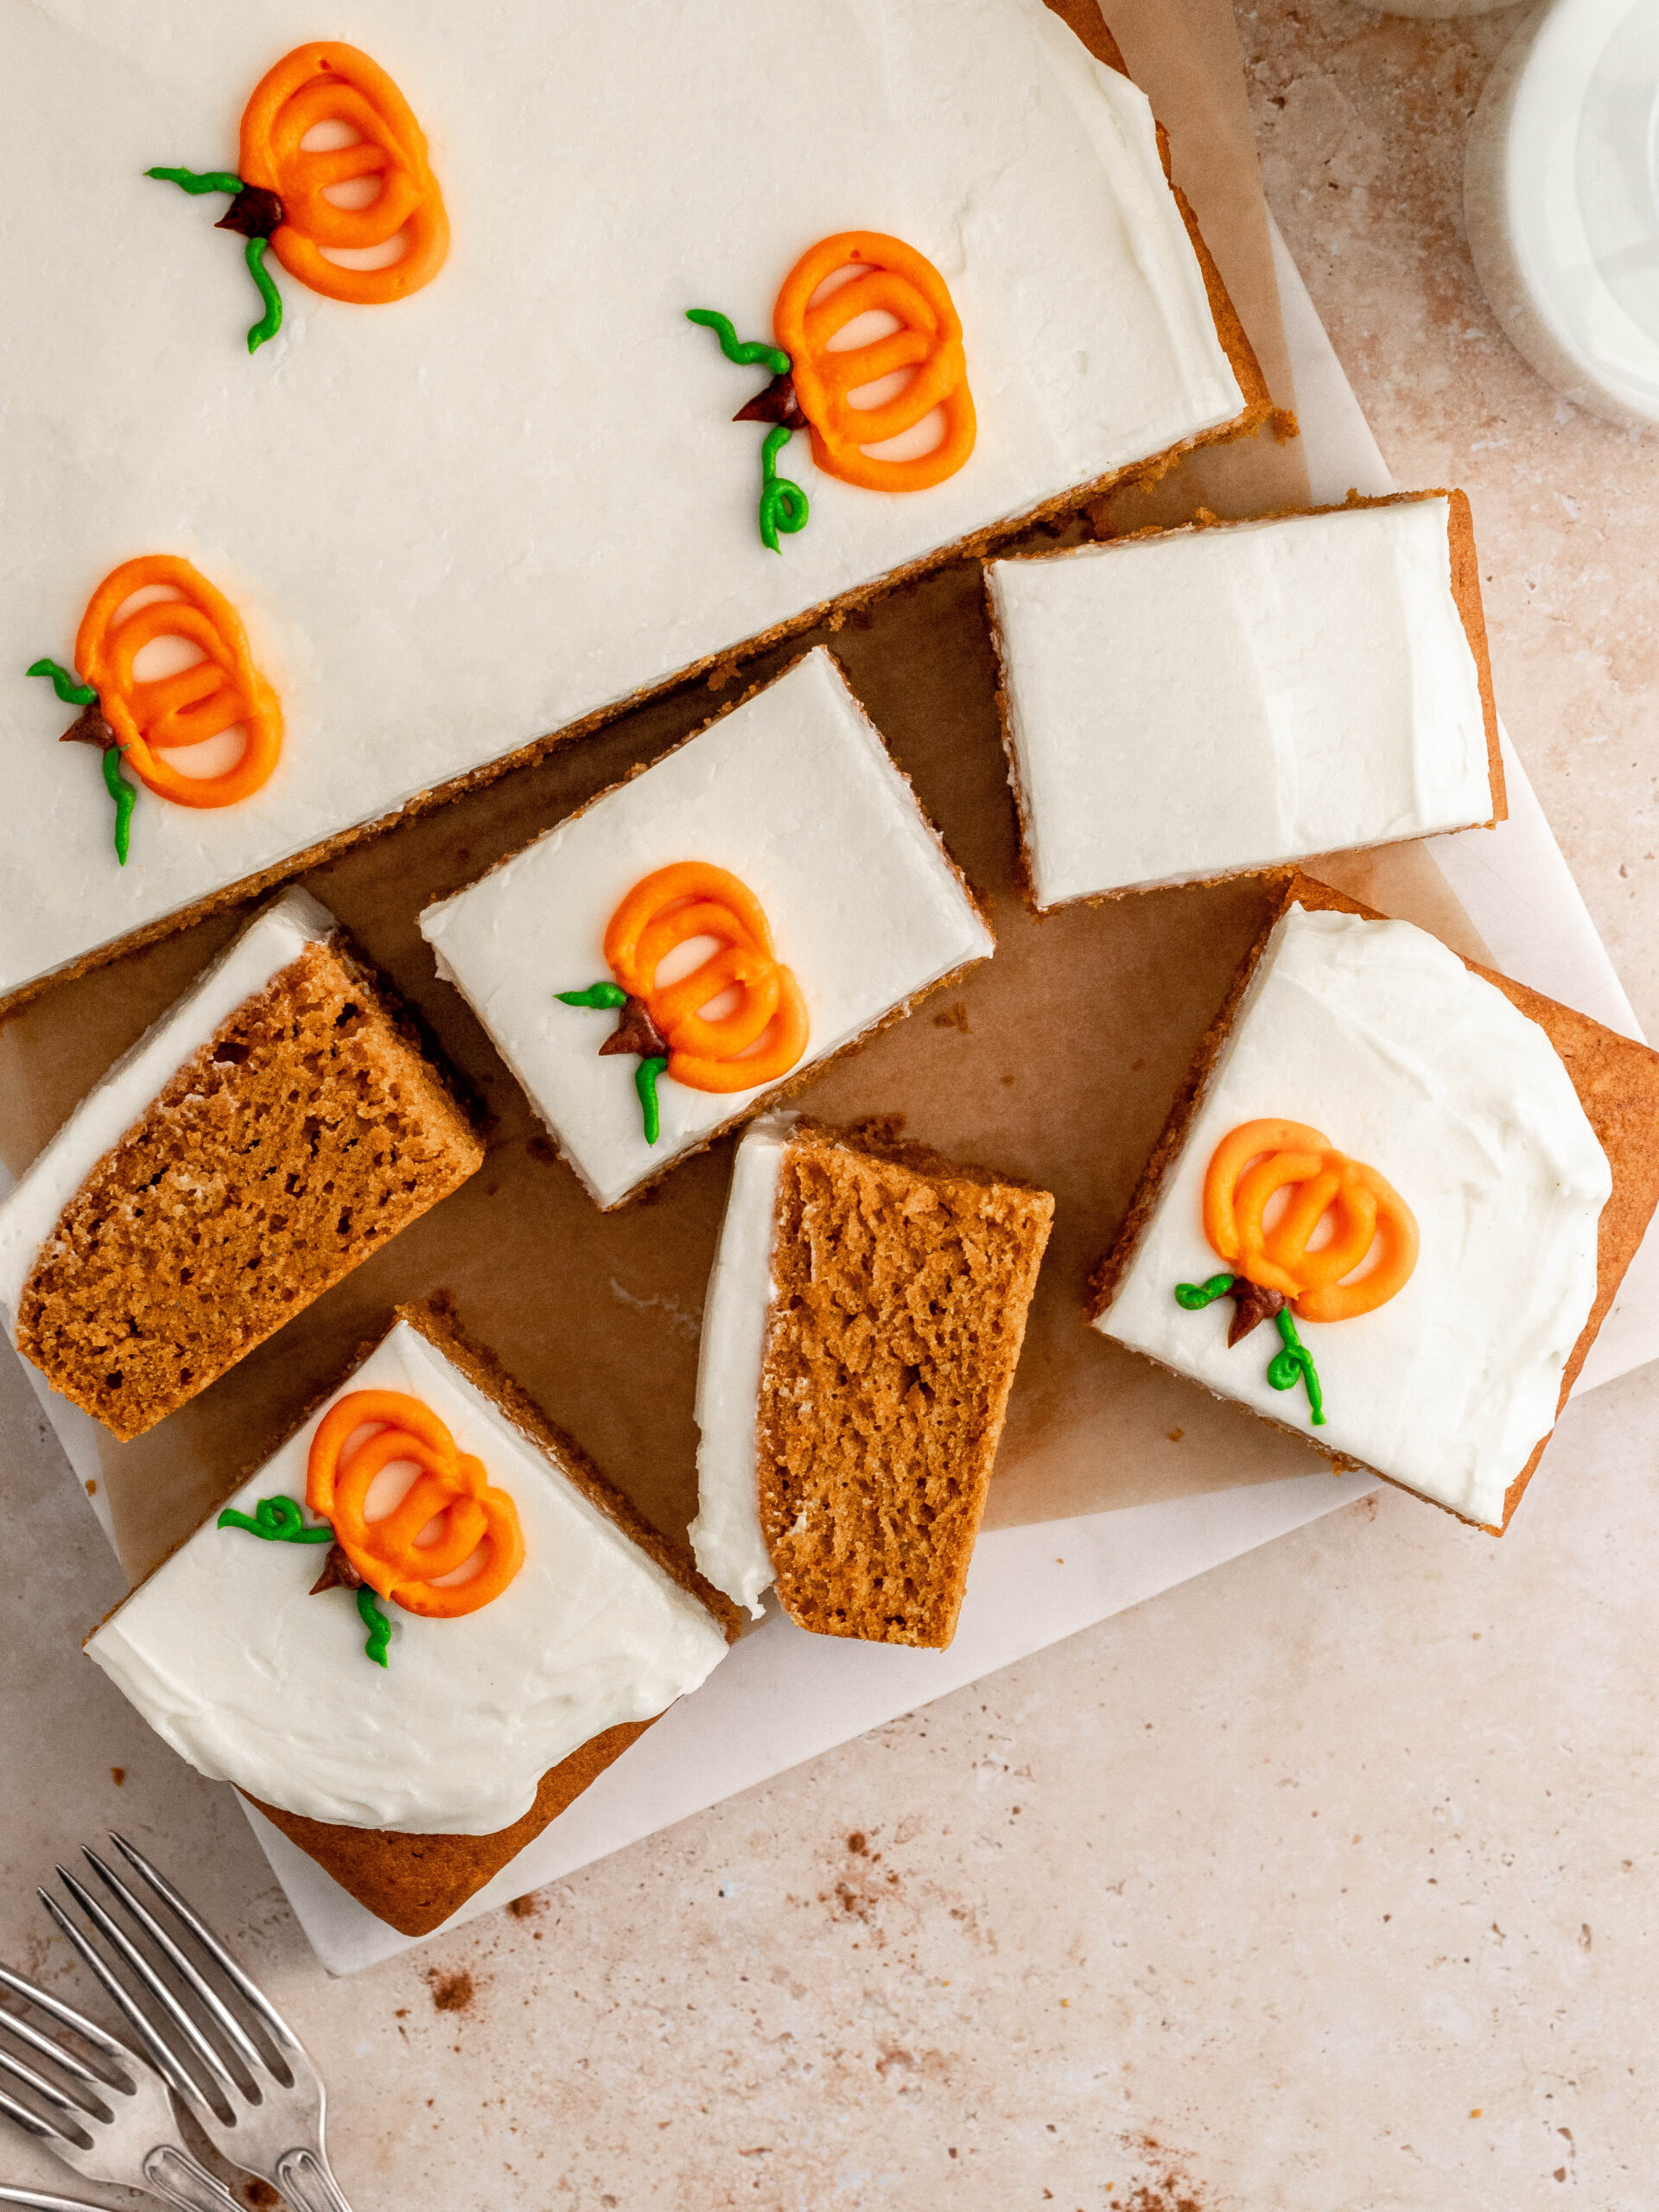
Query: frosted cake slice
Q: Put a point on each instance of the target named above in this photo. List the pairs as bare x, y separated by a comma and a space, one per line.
705, 935
862, 1325
1392, 1205
419, 1630
1186, 704
271, 1130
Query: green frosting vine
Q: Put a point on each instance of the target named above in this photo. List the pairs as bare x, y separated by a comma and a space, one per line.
596, 994
749, 353
271, 321
644, 1082
63, 683
197, 181
125, 796
783, 505
377, 1624
280, 1520
1291, 1364
1295, 1365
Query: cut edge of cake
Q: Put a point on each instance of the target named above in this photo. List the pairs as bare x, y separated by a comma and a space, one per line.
861, 1182
392, 1053
1594, 1057
1465, 591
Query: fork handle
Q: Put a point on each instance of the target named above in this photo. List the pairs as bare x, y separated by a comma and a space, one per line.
305, 2180
174, 2175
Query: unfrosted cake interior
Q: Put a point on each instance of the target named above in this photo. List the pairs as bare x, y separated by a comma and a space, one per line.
1193, 703
258, 1144
863, 1327
413, 1781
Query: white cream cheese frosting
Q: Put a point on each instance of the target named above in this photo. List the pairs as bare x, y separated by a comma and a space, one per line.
29, 1213
257, 1682
726, 1535
794, 792
1225, 698
1373, 1034
454, 524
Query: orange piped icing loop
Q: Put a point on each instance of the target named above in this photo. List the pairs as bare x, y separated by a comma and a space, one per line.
764, 1033
328, 82
905, 285
152, 716
452, 1489
1257, 1161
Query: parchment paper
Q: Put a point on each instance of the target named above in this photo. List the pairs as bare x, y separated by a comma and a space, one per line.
1056, 1061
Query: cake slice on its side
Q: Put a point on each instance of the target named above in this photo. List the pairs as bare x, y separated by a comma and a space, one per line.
708, 934
863, 1323
1187, 705
492, 1625
259, 1141
1392, 1205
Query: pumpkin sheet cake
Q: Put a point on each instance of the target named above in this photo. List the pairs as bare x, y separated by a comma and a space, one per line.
410, 458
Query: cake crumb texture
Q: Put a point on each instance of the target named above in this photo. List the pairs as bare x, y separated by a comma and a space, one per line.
306, 1133
901, 1282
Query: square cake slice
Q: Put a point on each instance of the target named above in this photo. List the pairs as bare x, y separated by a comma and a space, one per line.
1392, 1205
863, 1323
492, 1626
259, 1141
1186, 704
704, 936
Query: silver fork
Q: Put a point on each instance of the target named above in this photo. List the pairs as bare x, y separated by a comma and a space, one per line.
261, 2107
121, 2130
38, 2201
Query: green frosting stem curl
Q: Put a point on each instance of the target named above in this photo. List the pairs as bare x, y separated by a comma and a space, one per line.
63, 683
783, 505
125, 796
598, 994
644, 1082
377, 1624
271, 321
749, 353
1295, 1365
281, 1520
197, 181
1194, 1296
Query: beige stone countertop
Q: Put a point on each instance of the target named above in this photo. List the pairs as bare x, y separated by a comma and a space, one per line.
1323, 1884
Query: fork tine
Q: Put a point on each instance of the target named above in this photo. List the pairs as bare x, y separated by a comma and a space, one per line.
127, 1949
262, 2006
24, 2118
160, 2057
67, 2015
26, 2033
229, 2025
47, 2091
38, 2201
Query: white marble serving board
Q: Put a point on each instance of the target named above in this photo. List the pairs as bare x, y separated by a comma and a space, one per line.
784, 1696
